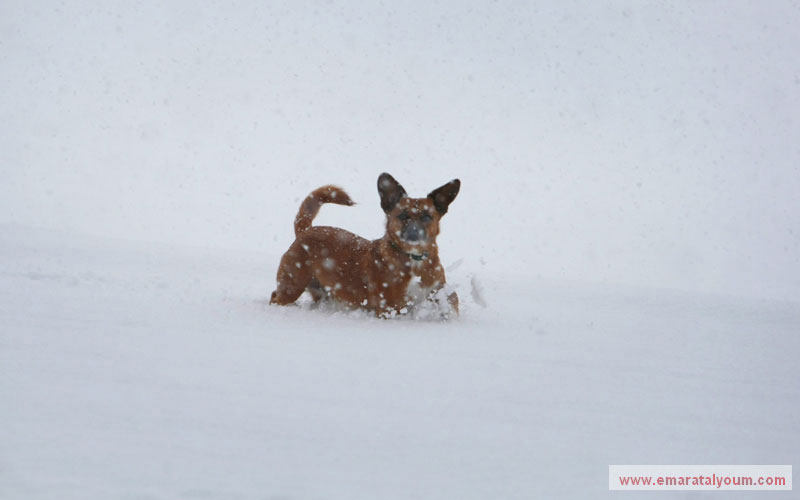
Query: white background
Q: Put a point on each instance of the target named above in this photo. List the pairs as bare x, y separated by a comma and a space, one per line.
651, 143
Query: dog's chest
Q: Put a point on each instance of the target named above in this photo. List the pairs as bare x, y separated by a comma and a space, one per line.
402, 282
415, 291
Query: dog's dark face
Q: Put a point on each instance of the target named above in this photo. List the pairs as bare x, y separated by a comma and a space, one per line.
413, 223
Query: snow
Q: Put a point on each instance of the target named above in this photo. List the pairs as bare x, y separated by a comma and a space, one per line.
624, 246
133, 370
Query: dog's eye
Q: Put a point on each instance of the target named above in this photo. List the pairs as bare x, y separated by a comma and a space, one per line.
404, 216
426, 217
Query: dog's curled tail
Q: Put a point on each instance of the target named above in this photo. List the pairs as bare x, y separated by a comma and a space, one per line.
310, 206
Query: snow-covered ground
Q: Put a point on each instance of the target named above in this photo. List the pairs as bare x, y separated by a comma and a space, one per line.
135, 370
628, 219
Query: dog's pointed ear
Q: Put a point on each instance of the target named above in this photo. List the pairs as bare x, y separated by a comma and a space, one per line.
442, 197
390, 190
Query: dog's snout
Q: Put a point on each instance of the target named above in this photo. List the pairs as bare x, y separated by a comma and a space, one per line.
413, 232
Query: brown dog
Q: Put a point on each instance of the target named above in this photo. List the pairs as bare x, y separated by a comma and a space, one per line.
375, 275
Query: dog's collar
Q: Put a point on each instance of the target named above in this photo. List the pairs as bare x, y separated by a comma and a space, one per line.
414, 256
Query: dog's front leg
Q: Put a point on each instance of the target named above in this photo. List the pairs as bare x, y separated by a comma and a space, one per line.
382, 307
447, 307
435, 281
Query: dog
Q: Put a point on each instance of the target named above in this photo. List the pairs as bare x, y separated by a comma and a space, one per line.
380, 275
